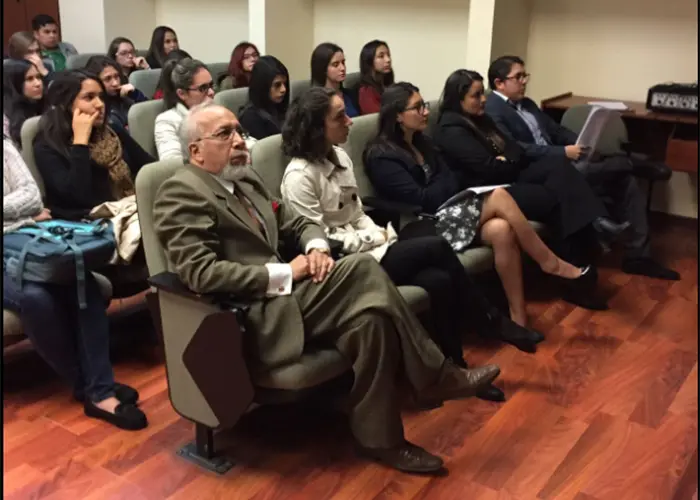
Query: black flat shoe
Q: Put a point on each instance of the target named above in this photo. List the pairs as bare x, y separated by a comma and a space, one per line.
491, 393
406, 457
644, 266
124, 393
125, 416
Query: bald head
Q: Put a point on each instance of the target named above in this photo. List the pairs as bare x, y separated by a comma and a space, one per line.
210, 138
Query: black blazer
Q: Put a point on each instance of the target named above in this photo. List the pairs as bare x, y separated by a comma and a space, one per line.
510, 123
471, 155
259, 123
397, 176
75, 185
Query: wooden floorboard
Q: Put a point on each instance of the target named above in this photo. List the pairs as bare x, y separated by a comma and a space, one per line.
606, 410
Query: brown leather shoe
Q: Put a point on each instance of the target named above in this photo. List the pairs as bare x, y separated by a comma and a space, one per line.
406, 457
459, 383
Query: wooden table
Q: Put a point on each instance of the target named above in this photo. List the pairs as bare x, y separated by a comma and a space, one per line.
667, 137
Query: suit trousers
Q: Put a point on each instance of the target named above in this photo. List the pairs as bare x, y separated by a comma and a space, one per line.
359, 309
552, 191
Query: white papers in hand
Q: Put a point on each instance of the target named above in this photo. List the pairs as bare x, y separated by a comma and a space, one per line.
616, 105
593, 128
463, 194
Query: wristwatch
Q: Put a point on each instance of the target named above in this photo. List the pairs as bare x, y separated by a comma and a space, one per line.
327, 251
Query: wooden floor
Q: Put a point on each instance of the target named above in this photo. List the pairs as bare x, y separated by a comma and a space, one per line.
606, 409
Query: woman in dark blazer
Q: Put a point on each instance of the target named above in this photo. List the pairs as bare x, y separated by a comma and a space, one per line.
481, 155
268, 95
403, 166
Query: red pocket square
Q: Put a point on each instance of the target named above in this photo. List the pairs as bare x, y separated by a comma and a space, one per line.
275, 206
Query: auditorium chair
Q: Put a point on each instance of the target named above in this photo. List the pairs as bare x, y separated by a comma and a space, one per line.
233, 99
146, 80
614, 141
142, 123
78, 61
352, 80
298, 87
209, 382
217, 70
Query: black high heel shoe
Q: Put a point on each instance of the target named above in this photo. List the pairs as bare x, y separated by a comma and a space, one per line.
581, 291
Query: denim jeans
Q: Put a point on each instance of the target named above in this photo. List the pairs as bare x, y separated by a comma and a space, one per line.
75, 343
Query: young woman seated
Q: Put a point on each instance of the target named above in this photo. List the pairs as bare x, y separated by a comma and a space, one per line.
120, 94
268, 98
74, 343
320, 184
23, 46
122, 50
403, 166
163, 42
243, 58
328, 70
175, 55
186, 83
82, 160
22, 96
376, 75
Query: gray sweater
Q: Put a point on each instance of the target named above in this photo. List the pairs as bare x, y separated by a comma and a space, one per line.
21, 196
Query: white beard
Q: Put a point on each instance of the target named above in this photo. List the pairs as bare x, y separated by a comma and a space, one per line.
233, 172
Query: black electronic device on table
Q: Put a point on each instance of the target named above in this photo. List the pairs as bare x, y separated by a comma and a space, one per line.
673, 98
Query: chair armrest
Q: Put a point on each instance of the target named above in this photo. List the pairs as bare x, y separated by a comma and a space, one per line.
395, 208
171, 283
646, 168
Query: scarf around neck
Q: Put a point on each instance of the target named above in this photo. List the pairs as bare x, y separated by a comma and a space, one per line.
106, 151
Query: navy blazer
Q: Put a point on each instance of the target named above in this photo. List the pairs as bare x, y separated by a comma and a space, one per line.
514, 127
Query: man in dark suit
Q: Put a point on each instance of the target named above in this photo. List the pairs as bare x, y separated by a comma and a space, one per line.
221, 229
522, 120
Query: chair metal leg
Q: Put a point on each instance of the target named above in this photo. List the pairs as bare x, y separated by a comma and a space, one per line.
201, 451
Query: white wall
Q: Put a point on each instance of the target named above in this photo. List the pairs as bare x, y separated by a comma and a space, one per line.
425, 37
133, 19
208, 30
289, 34
617, 49
82, 24
511, 28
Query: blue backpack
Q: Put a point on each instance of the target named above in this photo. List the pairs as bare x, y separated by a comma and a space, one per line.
58, 251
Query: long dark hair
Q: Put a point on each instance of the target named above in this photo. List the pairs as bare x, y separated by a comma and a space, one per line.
114, 46
367, 72
96, 64
264, 72
178, 75
56, 124
304, 130
16, 105
175, 55
390, 135
235, 65
156, 50
456, 87
320, 59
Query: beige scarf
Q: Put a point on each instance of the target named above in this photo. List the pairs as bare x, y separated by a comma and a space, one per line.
106, 151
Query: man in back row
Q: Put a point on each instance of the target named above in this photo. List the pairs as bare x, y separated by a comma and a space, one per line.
46, 33
221, 230
521, 119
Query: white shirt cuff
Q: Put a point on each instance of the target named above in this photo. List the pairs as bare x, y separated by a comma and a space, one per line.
318, 243
280, 282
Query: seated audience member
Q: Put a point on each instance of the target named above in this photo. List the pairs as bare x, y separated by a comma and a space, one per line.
122, 50
175, 55
46, 33
221, 247
82, 160
377, 75
243, 58
319, 183
23, 46
268, 95
163, 42
185, 84
77, 349
404, 167
520, 119
120, 95
22, 96
328, 70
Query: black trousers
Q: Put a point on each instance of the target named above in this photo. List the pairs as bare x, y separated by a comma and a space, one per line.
430, 263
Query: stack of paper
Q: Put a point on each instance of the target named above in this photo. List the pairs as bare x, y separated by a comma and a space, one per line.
616, 105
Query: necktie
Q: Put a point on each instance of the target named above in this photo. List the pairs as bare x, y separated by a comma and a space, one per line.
250, 209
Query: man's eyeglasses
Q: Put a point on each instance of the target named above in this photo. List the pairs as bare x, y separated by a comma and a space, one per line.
203, 88
224, 134
420, 107
521, 77
126, 53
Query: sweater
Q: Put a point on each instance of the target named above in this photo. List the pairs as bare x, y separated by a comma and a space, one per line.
21, 197
166, 129
259, 123
75, 185
370, 100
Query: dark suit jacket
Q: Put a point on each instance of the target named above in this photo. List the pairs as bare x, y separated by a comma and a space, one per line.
398, 177
211, 244
471, 156
510, 122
